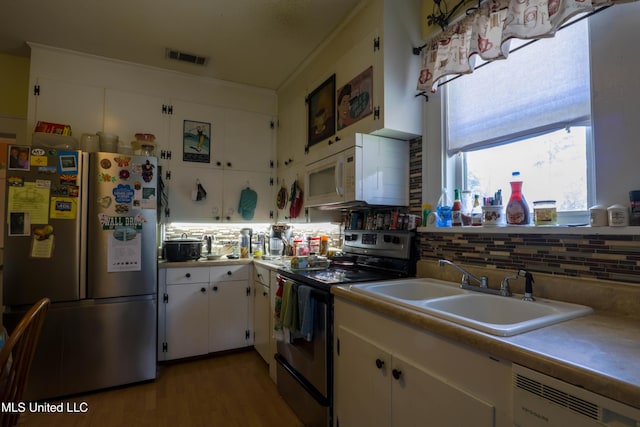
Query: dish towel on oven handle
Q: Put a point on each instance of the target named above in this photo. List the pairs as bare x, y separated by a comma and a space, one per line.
278, 333
306, 312
289, 311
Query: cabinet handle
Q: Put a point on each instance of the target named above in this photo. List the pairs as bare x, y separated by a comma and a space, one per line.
218, 163
203, 290
264, 294
187, 275
379, 363
396, 374
228, 164
229, 273
215, 288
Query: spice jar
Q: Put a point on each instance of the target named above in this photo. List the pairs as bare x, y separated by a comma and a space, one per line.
545, 213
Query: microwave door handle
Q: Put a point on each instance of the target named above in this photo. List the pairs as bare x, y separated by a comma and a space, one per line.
338, 176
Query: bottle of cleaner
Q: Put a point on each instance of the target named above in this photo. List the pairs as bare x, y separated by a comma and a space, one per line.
517, 211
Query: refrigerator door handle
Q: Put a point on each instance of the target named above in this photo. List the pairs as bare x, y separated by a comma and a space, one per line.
83, 224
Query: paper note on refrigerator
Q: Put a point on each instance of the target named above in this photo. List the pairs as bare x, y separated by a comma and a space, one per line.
30, 198
125, 250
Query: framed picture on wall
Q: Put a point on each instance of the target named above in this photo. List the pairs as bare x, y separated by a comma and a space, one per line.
322, 111
355, 99
196, 142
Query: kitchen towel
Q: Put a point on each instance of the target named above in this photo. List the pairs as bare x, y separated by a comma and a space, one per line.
289, 306
248, 202
306, 312
278, 333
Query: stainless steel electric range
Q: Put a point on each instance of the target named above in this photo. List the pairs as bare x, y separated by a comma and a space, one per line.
305, 367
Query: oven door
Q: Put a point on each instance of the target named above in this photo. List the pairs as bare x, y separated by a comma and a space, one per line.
304, 368
310, 359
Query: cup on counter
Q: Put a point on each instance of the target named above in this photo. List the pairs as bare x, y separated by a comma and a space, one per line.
493, 215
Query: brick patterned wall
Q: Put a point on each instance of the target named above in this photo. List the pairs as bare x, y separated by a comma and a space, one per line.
415, 177
611, 257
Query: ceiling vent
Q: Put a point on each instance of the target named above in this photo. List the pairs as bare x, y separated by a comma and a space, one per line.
186, 57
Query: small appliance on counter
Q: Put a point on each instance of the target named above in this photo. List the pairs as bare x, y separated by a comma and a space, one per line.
183, 249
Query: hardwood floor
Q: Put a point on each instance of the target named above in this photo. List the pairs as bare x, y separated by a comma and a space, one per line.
227, 390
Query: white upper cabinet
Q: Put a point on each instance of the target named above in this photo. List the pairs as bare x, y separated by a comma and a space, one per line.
150, 112
249, 142
77, 105
380, 37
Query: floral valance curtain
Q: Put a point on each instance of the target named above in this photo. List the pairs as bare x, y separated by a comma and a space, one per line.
488, 30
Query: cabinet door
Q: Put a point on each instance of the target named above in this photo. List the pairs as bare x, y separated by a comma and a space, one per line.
187, 320
229, 315
184, 121
249, 141
127, 113
78, 106
261, 320
362, 389
418, 395
235, 182
183, 182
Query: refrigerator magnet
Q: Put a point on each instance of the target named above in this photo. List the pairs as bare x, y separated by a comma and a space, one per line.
42, 248
105, 164
147, 171
68, 162
122, 161
63, 208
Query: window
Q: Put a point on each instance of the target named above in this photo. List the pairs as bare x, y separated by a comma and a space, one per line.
529, 113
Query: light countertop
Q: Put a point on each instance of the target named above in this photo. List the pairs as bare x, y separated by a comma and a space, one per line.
599, 352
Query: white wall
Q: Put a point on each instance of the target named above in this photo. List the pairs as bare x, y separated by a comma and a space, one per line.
614, 36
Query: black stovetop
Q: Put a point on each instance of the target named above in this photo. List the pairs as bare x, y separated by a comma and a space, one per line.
335, 275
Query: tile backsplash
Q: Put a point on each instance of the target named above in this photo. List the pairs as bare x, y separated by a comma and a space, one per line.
603, 257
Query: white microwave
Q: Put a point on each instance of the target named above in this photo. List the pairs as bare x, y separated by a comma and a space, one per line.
375, 171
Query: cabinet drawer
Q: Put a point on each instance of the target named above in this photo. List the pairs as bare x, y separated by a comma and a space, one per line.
261, 274
230, 272
178, 276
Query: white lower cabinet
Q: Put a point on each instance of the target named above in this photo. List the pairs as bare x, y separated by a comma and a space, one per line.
187, 331
204, 310
229, 304
261, 318
388, 373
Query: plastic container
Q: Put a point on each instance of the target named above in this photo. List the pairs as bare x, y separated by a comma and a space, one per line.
314, 245
545, 213
90, 142
618, 215
244, 242
598, 216
144, 144
634, 198
108, 142
517, 210
302, 249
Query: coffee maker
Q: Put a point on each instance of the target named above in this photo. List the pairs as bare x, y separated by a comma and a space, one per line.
279, 239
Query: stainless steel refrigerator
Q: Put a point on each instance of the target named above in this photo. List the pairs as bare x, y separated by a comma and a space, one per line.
81, 230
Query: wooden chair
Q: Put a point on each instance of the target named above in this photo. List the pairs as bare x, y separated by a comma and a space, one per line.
16, 357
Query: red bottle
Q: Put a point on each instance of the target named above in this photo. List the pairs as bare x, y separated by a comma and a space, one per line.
456, 209
517, 209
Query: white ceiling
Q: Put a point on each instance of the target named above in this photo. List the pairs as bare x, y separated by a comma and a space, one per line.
256, 42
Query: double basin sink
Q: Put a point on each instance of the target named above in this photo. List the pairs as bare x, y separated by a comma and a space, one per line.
497, 315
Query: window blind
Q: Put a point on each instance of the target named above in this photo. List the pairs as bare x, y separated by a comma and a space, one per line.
541, 87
